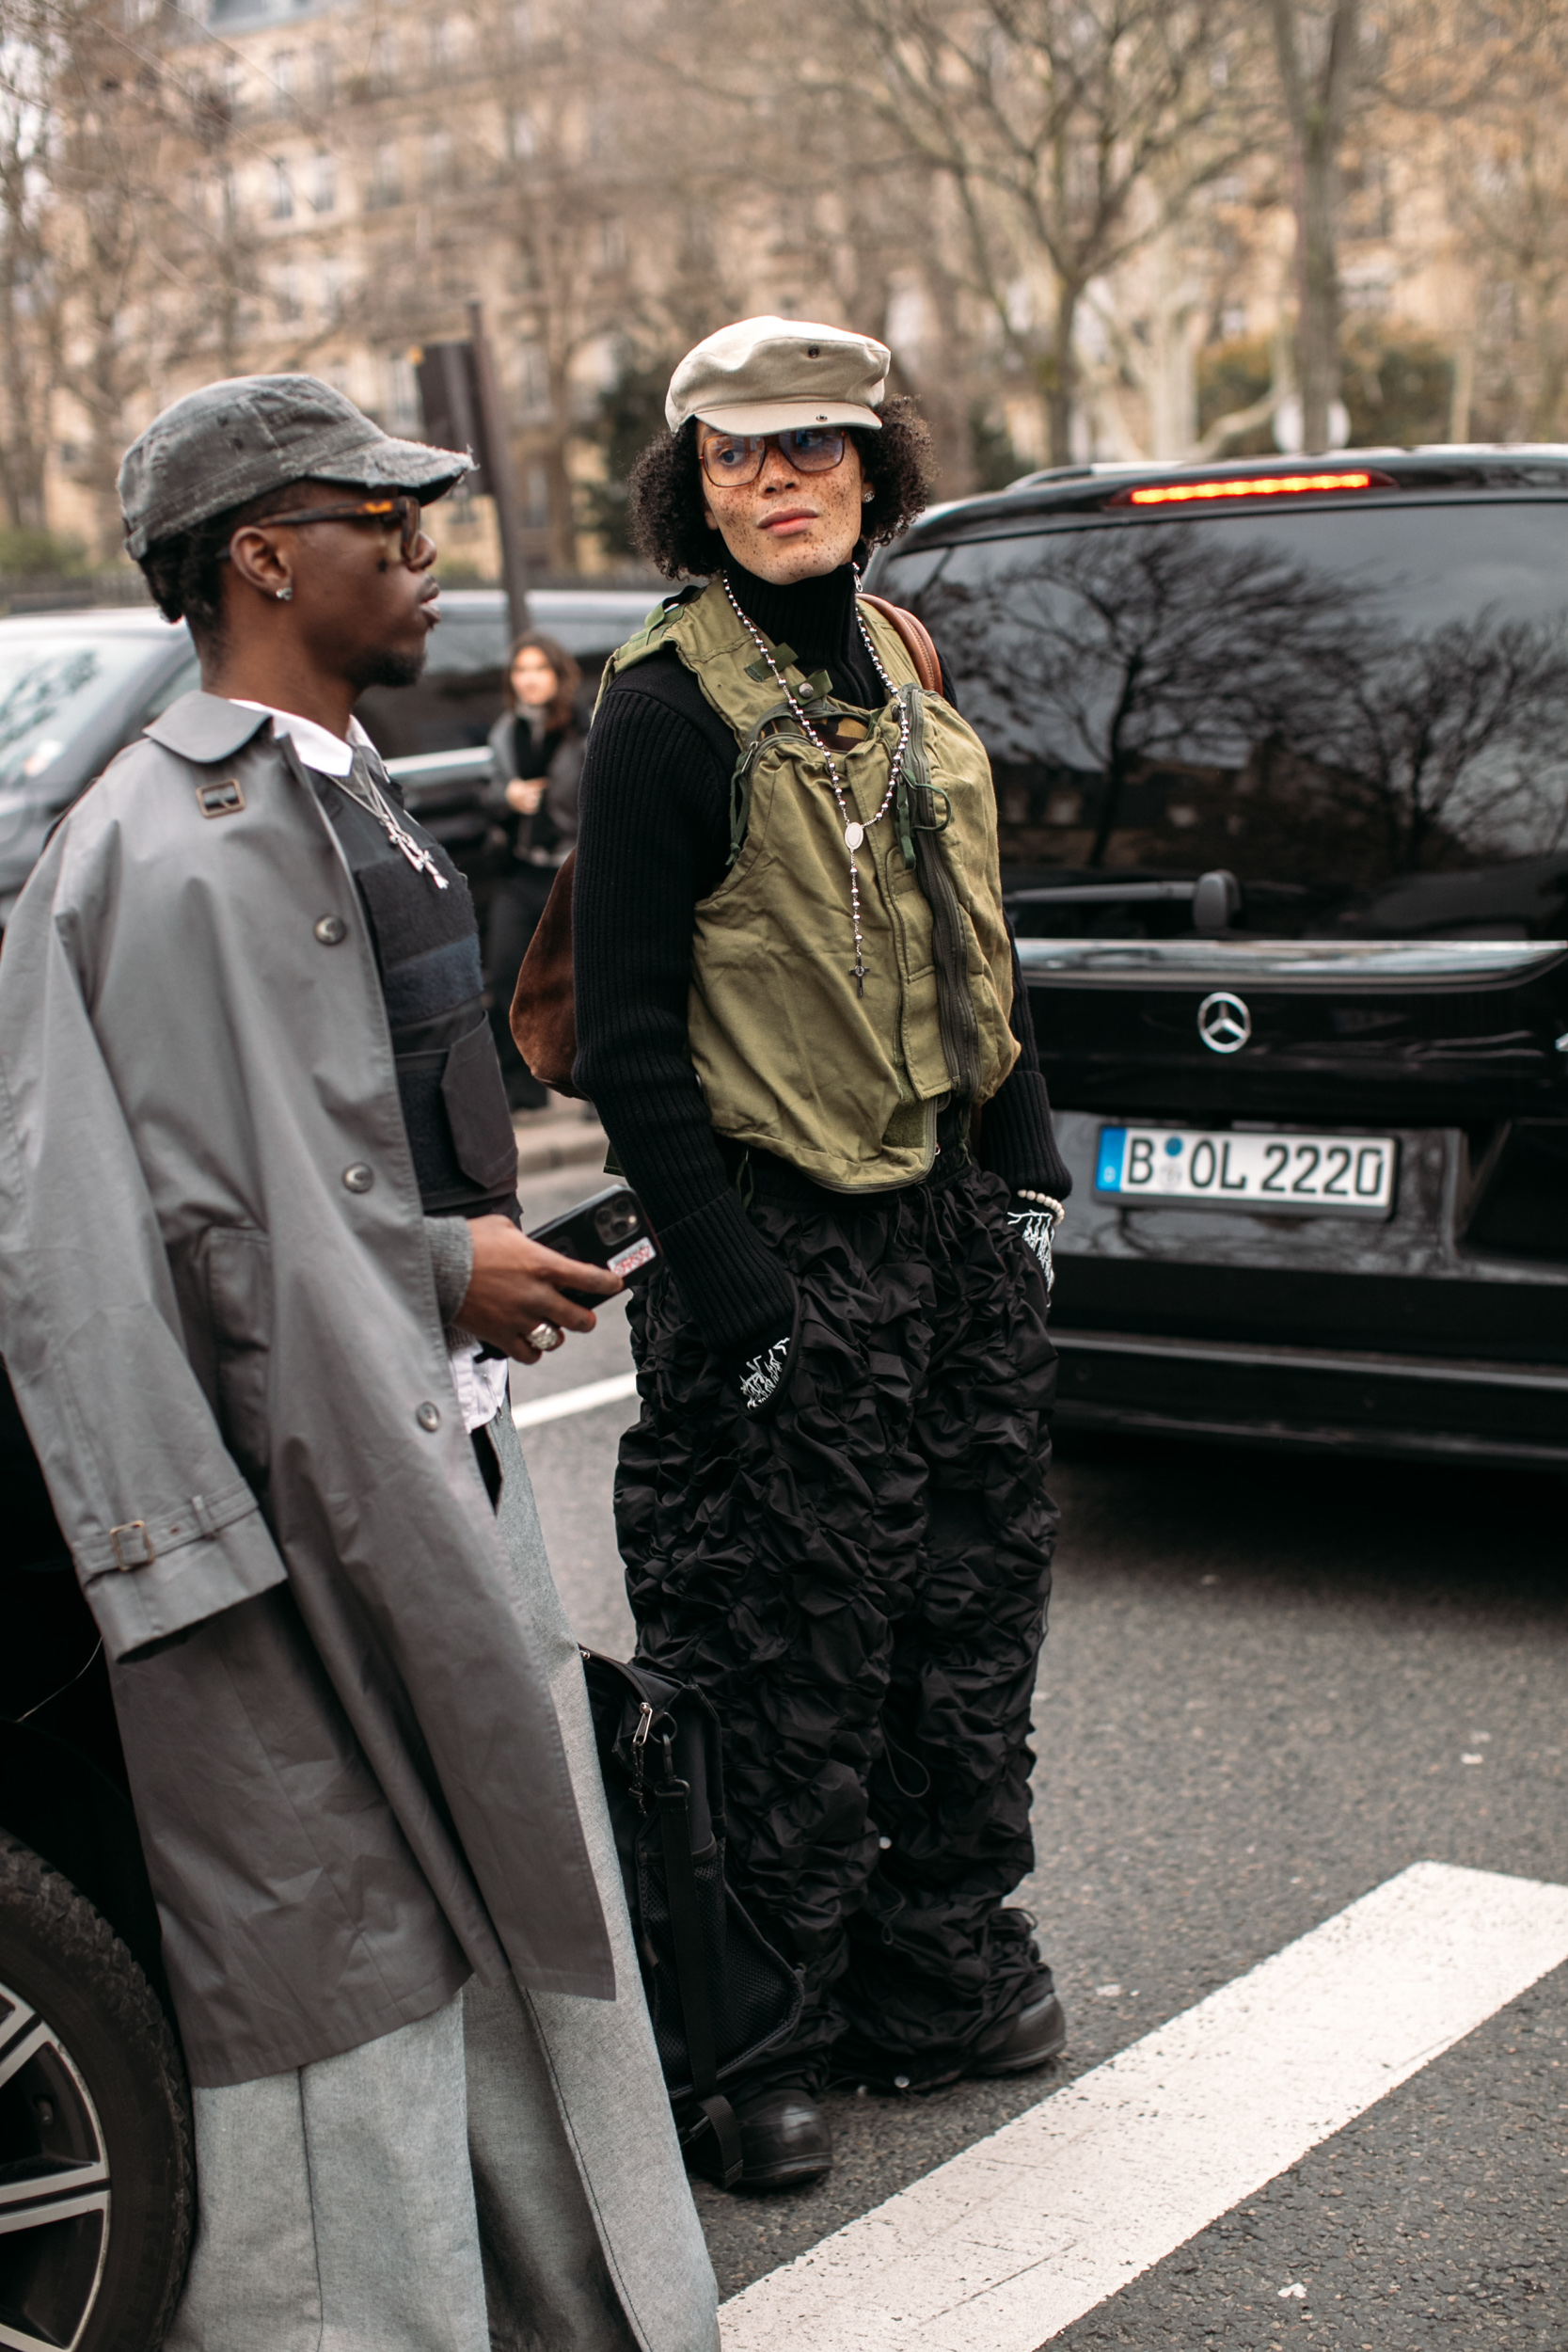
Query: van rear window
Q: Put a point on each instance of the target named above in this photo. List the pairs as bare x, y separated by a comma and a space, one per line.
1362, 713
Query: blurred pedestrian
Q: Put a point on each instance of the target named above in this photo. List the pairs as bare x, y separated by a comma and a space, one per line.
537, 748
257, 1155
800, 1018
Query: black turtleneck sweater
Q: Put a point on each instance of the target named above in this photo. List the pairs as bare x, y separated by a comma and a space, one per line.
652, 840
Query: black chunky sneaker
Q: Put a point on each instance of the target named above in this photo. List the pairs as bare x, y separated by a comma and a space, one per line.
784, 2141
1033, 2038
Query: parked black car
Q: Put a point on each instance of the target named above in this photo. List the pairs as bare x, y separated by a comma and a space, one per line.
76, 685
96, 2174
1281, 751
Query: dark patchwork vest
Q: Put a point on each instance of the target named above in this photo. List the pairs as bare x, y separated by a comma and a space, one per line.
427, 948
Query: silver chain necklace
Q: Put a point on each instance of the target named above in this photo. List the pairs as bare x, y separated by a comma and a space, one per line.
376, 803
854, 831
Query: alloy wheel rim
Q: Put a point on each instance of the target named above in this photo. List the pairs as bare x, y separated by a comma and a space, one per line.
55, 2188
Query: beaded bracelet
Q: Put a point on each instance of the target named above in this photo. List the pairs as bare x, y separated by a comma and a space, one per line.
1042, 1201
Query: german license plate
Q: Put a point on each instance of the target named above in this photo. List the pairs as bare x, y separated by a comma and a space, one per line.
1189, 1168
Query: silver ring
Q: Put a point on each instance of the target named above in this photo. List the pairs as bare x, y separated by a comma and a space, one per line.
544, 1336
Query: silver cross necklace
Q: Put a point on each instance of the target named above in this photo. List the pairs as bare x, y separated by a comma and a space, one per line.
375, 803
854, 831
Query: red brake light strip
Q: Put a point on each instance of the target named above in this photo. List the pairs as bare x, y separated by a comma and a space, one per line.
1266, 486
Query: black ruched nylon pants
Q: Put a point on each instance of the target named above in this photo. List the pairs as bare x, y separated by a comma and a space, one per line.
860, 1586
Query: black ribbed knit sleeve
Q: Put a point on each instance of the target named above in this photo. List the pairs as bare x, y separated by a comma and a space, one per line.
653, 838
1017, 1139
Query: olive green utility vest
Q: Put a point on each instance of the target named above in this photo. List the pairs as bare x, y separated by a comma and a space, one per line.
792, 1059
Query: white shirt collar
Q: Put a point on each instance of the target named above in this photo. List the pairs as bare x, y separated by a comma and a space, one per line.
329, 754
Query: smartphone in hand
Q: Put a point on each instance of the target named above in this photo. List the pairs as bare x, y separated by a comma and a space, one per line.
609, 1230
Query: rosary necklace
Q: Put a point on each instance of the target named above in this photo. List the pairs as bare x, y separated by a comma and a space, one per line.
854, 831
375, 802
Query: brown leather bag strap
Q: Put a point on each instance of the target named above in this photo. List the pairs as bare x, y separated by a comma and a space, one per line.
544, 1009
917, 639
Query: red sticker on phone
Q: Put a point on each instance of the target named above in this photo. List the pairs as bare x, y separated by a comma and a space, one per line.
636, 1253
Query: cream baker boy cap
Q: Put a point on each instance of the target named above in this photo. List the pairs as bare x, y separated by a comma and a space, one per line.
773, 376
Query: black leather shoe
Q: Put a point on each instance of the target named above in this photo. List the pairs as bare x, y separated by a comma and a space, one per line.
784, 2141
1035, 2035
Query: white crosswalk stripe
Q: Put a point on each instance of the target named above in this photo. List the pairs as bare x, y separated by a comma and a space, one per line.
583, 1400
1005, 2246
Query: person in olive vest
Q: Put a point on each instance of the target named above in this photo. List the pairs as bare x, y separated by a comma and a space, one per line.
801, 1021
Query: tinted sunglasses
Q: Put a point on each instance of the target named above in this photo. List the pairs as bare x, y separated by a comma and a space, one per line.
399, 509
730, 460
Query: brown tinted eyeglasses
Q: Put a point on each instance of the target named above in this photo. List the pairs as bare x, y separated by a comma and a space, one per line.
399, 509
730, 460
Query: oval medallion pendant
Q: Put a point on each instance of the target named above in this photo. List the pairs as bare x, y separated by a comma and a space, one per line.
853, 836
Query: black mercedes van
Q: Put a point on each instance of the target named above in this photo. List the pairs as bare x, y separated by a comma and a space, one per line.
1281, 753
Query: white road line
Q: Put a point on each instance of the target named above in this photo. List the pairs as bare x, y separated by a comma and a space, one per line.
582, 1399
1009, 2243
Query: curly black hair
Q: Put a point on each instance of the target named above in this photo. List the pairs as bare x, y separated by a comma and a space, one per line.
184, 573
665, 493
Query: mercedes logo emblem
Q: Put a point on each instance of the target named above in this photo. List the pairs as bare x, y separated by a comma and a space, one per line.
1224, 1022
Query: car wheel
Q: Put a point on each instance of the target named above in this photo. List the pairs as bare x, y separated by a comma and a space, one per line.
97, 2177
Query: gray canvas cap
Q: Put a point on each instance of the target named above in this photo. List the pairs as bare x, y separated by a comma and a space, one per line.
235, 441
768, 376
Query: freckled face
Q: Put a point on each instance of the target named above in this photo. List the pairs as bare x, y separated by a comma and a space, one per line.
787, 525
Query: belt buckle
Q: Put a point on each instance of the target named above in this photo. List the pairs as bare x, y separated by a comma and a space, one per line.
137, 1529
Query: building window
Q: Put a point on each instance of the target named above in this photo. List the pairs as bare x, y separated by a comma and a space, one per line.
440, 44
521, 134
282, 190
613, 245
534, 385
403, 395
536, 495
386, 175
287, 290
323, 181
284, 79
329, 291
322, 73
382, 63
440, 162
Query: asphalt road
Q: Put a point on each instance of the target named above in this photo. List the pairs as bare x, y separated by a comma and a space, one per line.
1270, 1685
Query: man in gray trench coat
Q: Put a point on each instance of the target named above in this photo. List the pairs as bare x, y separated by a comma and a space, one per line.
257, 1224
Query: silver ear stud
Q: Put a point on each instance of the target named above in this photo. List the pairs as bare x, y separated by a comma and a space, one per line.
285, 595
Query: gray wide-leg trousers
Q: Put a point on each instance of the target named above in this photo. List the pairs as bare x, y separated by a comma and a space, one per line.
414, 2195
502, 2176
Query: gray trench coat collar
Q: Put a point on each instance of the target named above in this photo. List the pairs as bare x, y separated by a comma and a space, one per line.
206, 727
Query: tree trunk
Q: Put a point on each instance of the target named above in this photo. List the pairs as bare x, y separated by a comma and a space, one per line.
1462, 397
1061, 390
561, 491
1318, 267
1549, 371
1316, 103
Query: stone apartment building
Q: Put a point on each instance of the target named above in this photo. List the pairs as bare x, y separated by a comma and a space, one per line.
330, 182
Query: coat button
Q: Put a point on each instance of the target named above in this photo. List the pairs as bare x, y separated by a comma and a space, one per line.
428, 1416
358, 1178
330, 929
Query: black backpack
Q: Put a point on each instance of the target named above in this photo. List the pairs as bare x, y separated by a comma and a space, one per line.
718, 1993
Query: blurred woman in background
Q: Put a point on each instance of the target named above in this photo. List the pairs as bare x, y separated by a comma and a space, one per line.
537, 748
